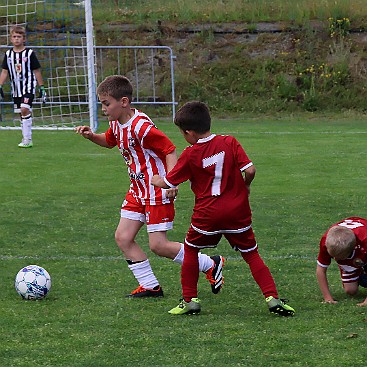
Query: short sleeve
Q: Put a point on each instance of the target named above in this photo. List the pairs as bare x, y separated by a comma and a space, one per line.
110, 138
34, 62
323, 259
241, 156
158, 142
4, 64
180, 172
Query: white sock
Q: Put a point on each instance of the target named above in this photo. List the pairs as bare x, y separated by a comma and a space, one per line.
205, 262
143, 273
27, 127
180, 255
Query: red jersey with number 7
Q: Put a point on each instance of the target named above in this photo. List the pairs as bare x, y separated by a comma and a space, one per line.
214, 166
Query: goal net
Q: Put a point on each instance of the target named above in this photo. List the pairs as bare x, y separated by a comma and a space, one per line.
61, 34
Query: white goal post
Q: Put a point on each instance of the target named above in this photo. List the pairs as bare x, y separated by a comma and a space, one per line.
65, 78
71, 73
91, 66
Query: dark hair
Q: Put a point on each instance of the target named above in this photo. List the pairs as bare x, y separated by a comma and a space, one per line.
116, 86
193, 116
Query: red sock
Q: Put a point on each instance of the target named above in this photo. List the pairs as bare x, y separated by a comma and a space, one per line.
261, 273
190, 273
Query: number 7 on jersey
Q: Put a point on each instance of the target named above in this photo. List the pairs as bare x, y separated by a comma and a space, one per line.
217, 160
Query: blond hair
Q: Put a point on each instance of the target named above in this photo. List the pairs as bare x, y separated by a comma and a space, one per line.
17, 29
340, 242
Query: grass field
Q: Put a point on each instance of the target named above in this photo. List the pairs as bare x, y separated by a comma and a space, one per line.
141, 11
59, 205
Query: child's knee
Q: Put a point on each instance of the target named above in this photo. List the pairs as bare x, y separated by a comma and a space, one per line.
351, 292
351, 289
122, 241
25, 112
157, 246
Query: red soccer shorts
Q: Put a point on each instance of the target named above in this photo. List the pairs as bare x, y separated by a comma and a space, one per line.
157, 217
242, 239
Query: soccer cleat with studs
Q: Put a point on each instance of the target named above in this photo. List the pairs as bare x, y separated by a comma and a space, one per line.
187, 308
25, 143
215, 273
279, 307
141, 292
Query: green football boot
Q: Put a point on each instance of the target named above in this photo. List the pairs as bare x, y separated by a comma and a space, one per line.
25, 143
187, 308
279, 306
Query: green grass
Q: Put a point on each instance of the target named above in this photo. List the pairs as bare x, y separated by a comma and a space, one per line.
187, 11
59, 205
310, 66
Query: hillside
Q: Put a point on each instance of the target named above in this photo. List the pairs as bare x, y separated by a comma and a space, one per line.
266, 67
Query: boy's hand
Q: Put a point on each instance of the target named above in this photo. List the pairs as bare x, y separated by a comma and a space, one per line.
42, 94
84, 131
331, 301
172, 192
159, 182
2, 96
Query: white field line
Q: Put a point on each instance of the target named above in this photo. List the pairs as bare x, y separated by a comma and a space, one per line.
292, 132
121, 258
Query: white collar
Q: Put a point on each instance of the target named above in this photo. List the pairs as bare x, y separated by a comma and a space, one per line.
130, 121
208, 138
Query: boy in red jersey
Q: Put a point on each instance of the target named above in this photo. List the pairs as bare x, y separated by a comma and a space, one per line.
146, 151
215, 165
346, 242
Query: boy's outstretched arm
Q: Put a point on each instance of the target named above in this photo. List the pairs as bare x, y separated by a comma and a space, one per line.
323, 284
159, 182
87, 133
171, 160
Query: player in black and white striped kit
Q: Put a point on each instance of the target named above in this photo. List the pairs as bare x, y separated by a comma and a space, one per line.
24, 70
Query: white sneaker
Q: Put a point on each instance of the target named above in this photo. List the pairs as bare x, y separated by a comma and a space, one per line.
25, 143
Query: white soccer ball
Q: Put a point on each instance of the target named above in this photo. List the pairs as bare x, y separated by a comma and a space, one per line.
33, 282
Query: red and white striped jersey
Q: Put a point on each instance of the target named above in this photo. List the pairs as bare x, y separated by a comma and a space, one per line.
144, 149
359, 256
214, 165
20, 66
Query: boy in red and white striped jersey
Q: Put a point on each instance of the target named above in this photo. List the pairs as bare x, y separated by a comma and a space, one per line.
220, 174
346, 243
146, 152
